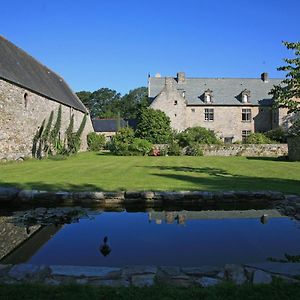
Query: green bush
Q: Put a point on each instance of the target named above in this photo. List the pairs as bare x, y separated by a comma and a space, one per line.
140, 147
278, 135
258, 138
174, 149
197, 135
95, 141
124, 143
194, 150
154, 126
119, 144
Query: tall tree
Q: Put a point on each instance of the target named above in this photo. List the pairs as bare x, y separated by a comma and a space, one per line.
85, 98
102, 103
154, 126
133, 101
287, 94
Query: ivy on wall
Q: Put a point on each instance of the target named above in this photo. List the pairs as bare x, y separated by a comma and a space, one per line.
47, 140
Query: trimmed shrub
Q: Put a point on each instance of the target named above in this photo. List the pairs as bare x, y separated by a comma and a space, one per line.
95, 141
119, 143
197, 135
258, 138
154, 126
194, 150
174, 149
140, 147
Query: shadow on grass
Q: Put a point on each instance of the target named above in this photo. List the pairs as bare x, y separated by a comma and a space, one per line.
178, 178
279, 158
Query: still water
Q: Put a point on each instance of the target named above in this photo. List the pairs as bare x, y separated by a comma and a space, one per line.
163, 238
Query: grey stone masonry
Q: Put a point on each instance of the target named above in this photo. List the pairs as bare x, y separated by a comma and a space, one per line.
21, 118
141, 276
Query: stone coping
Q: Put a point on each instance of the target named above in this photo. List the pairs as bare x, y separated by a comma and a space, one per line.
140, 276
10, 194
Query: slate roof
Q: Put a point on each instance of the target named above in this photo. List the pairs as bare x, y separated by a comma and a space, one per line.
18, 67
111, 125
225, 91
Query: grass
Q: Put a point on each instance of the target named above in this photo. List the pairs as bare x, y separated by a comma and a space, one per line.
94, 171
274, 291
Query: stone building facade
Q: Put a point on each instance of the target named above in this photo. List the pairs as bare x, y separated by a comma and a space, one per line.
29, 92
231, 107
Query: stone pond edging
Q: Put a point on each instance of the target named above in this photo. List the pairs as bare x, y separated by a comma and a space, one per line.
148, 275
287, 204
140, 276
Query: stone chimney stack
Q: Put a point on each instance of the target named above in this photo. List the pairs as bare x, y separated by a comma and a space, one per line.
264, 77
180, 77
169, 81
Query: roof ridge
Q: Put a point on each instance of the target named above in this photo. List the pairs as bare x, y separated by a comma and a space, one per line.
55, 76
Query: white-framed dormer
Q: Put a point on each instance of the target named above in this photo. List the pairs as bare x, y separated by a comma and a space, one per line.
208, 96
245, 96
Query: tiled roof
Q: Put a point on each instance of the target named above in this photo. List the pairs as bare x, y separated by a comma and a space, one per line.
18, 67
111, 125
225, 91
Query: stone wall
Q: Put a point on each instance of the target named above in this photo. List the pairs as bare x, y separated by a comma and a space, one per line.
228, 120
20, 119
246, 150
11, 235
171, 102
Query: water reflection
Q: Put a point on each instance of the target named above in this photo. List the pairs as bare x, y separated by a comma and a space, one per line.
135, 236
181, 217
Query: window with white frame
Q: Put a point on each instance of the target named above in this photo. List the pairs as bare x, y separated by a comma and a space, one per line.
246, 115
209, 114
245, 134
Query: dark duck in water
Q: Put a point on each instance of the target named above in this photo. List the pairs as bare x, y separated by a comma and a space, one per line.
105, 248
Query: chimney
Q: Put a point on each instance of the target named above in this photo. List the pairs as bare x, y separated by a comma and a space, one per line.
264, 77
169, 81
180, 77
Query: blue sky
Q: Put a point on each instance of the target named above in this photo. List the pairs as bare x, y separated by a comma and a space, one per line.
116, 43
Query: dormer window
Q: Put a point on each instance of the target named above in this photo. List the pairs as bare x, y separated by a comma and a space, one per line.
208, 96
245, 96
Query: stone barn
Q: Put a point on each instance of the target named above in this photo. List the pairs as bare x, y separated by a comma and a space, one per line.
29, 93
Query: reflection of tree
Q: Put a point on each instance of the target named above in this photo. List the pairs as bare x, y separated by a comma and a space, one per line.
105, 248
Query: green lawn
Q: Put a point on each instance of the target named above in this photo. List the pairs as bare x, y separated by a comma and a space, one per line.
274, 291
93, 171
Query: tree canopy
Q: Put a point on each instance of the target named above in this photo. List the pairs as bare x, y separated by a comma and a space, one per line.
154, 126
107, 103
286, 93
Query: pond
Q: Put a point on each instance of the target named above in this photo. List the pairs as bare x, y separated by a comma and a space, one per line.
173, 238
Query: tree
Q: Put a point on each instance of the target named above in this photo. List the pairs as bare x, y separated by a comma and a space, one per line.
154, 126
286, 93
102, 103
132, 102
85, 98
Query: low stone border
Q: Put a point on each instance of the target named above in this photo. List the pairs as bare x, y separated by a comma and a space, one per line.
8, 194
140, 276
287, 204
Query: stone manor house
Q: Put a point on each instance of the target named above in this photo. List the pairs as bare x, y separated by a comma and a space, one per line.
231, 107
29, 92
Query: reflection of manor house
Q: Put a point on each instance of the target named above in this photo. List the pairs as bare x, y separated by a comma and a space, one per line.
231, 107
29, 91
181, 217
